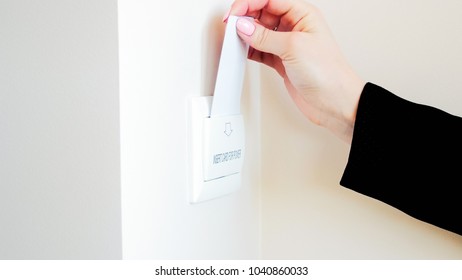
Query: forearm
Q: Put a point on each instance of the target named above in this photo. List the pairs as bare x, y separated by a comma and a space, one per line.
407, 155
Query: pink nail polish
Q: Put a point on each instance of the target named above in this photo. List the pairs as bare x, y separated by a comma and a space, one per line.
225, 18
245, 26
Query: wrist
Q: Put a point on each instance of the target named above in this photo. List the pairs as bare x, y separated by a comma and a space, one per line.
351, 90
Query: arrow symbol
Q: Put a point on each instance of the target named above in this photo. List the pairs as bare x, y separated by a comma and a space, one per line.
228, 129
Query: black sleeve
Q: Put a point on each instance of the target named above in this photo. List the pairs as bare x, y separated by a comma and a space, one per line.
409, 156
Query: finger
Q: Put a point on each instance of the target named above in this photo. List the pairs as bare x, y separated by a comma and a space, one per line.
261, 38
276, 7
290, 12
269, 20
268, 59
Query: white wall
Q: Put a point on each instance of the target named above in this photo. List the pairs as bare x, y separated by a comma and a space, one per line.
61, 161
169, 52
413, 49
59, 128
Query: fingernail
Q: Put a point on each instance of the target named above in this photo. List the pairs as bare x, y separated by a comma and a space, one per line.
225, 18
245, 26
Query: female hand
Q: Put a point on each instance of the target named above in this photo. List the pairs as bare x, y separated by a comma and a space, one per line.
292, 37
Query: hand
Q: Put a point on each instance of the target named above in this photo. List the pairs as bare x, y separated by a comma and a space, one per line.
292, 37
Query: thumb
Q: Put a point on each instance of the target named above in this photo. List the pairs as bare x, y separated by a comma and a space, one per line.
261, 38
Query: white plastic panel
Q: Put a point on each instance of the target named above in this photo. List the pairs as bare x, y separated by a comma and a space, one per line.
200, 188
223, 146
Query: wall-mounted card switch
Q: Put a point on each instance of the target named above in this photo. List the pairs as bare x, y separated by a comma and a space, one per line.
216, 151
224, 146
216, 126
